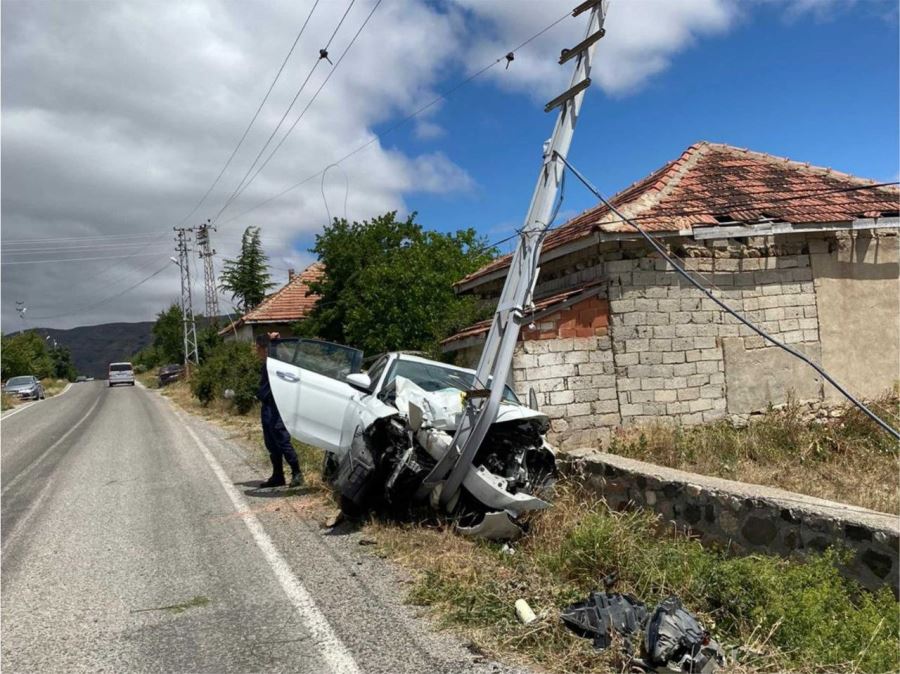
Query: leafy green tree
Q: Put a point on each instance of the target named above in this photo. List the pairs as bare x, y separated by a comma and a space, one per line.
168, 336
388, 284
25, 353
63, 367
207, 340
247, 277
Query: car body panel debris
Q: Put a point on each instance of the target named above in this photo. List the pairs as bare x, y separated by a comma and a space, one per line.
384, 431
668, 639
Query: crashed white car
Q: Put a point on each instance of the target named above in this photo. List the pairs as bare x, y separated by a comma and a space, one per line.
386, 429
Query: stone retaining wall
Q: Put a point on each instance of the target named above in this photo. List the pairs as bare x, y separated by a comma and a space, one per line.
747, 517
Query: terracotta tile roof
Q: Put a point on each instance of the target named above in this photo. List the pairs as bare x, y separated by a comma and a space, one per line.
542, 306
712, 179
290, 303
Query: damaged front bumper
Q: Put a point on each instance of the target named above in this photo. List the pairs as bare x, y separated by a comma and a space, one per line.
388, 462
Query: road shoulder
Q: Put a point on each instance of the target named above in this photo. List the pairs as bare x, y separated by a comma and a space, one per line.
361, 595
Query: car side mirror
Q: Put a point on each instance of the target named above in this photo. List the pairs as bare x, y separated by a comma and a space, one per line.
532, 400
360, 381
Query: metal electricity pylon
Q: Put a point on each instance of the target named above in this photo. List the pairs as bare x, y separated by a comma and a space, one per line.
182, 241
209, 273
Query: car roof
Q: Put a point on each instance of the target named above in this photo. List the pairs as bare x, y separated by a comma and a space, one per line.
124, 362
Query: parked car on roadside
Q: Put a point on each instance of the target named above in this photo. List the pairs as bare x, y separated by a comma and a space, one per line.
169, 373
121, 373
27, 387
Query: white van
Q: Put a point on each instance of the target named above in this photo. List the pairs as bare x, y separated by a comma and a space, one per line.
121, 373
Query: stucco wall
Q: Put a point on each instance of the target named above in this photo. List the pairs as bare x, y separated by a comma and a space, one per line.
857, 282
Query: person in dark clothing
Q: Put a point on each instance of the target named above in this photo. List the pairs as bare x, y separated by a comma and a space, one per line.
277, 438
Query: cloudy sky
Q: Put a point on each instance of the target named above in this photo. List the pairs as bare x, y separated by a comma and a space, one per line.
118, 116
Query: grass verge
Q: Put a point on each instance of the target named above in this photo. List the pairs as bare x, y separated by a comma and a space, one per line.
774, 614
54, 387
828, 458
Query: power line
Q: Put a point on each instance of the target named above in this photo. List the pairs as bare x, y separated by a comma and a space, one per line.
762, 333
82, 248
253, 119
308, 105
287, 111
86, 237
78, 259
376, 137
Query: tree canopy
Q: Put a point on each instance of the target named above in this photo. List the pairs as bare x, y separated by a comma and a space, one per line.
247, 276
388, 283
28, 353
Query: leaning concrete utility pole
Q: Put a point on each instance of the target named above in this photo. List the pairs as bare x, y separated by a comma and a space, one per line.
516, 297
182, 239
209, 272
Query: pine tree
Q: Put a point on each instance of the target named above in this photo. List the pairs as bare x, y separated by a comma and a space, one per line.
247, 277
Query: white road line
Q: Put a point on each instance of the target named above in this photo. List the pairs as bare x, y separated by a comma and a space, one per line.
49, 449
33, 402
331, 647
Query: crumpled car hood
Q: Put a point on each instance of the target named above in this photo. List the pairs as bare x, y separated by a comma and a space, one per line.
443, 408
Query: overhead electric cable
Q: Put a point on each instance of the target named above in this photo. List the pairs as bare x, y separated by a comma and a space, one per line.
376, 137
78, 259
308, 105
252, 119
762, 333
287, 111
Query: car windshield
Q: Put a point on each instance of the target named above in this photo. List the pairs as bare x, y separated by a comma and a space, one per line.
120, 367
434, 377
20, 381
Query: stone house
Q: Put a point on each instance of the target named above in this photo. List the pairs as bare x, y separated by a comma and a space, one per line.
279, 311
618, 338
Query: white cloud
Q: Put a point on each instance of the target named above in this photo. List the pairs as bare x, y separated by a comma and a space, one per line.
641, 39
116, 117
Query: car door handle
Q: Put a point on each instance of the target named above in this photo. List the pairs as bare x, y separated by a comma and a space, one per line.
287, 376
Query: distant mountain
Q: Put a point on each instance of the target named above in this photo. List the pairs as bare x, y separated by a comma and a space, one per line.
94, 347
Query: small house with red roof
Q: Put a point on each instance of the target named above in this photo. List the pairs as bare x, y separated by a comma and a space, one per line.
281, 310
618, 338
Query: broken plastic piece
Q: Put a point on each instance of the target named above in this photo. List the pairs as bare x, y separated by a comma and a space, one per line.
496, 526
604, 613
676, 639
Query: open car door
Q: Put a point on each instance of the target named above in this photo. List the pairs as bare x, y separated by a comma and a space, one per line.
307, 377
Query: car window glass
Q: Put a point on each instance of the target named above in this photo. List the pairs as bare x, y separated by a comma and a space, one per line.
325, 358
377, 368
283, 350
120, 367
434, 377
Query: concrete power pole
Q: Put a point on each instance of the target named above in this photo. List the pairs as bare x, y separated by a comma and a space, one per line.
516, 297
209, 272
182, 239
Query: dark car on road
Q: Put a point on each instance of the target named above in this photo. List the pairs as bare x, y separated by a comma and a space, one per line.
169, 373
27, 387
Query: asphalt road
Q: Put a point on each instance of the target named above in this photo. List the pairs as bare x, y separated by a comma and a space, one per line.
130, 542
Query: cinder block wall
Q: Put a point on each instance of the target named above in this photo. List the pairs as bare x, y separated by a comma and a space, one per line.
652, 346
